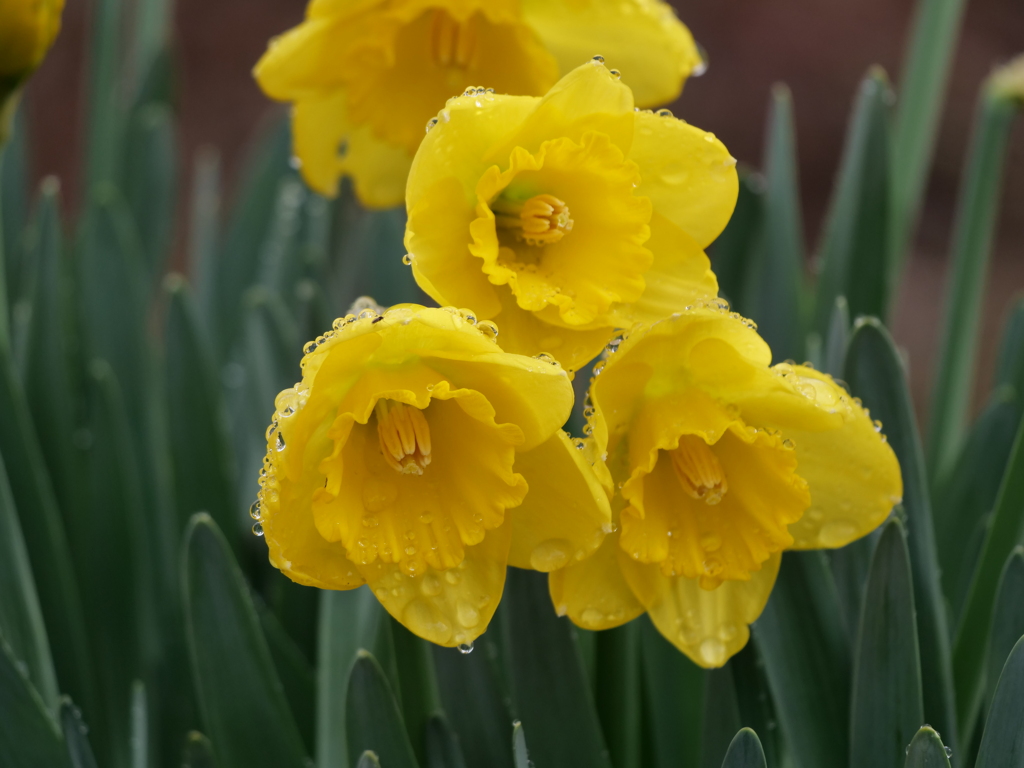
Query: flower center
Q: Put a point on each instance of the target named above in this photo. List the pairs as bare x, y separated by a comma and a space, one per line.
539, 221
453, 43
699, 471
404, 436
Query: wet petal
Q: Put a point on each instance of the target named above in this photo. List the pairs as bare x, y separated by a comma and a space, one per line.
451, 607
594, 592
688, 174
708, 626
319, 131
643, 39
565, 515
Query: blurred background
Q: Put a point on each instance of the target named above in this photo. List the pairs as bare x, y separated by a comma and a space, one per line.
820, 48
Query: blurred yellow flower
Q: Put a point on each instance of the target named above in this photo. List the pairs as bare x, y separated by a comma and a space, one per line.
27, 30
418, 457
720, 463
565, 217
364, 76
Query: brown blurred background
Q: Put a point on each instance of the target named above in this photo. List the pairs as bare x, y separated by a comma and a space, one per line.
821, 48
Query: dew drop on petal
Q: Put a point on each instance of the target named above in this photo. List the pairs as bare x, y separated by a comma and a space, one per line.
712, 652
550, 555
466, 648
257, 529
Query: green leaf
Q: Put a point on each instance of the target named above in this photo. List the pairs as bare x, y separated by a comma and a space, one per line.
105, 113
150, 181
110, 263
240, 696
617, 692
1007, 619
721, 717
806, 654
21, 620
927, 750
753, 695
45, 538
13, 216
854, 261
972, 636
974, 228
109, 547
380, 272
442, 745
1010, 361
238, 264
933, 43
772, 295
475, 701
418, 689
966, 497
203, 463
139, 726
732, 251
294, 670
151, 35
51, 339
368, 760
875, 374
549, 686
29, 736
279, 263
1002, 745
348, 621
745, 751
849, 567
373, 719
75, 736
519, 752
204, 230
674, 695
886, 707
838, 337
198, 752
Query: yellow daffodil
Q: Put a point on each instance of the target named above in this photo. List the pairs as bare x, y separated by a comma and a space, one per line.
720, 463
418, 457
364, 76
27, 30
565, 217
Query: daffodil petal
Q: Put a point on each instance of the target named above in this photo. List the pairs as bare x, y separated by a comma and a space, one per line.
642, 38
594, 593
525, 333
451, 607
293, 66
680, 276
708, 626
566, 515
589, 98
319, 129
853, 474
687, 173
378, 169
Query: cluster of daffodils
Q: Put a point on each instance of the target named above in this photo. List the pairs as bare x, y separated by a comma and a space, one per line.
421, 454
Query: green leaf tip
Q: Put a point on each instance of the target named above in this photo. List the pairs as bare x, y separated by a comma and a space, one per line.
519, 753
1007, 82
368, 759
927, 750
745, 751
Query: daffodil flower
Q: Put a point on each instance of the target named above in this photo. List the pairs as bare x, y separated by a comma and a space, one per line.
719, 463
565, 217
418, 457
365, 75
27, 30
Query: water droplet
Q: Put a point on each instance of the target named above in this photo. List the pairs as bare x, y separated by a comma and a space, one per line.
467, 614
592, 617
488, 329
712, 652
837, 533
664, 113
407, 259
257, 529
468, 316
431, 585
452, 577
410, 551
948, 751
254, 511
466, 648
727, 632
710, 542
712, 566
550, 555
431, 123
378, 494
280, 441
368, 314
615, 73
598, 59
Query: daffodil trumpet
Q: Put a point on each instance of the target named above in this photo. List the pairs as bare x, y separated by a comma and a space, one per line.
717, 462
364, 76
566, 217
416, 456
